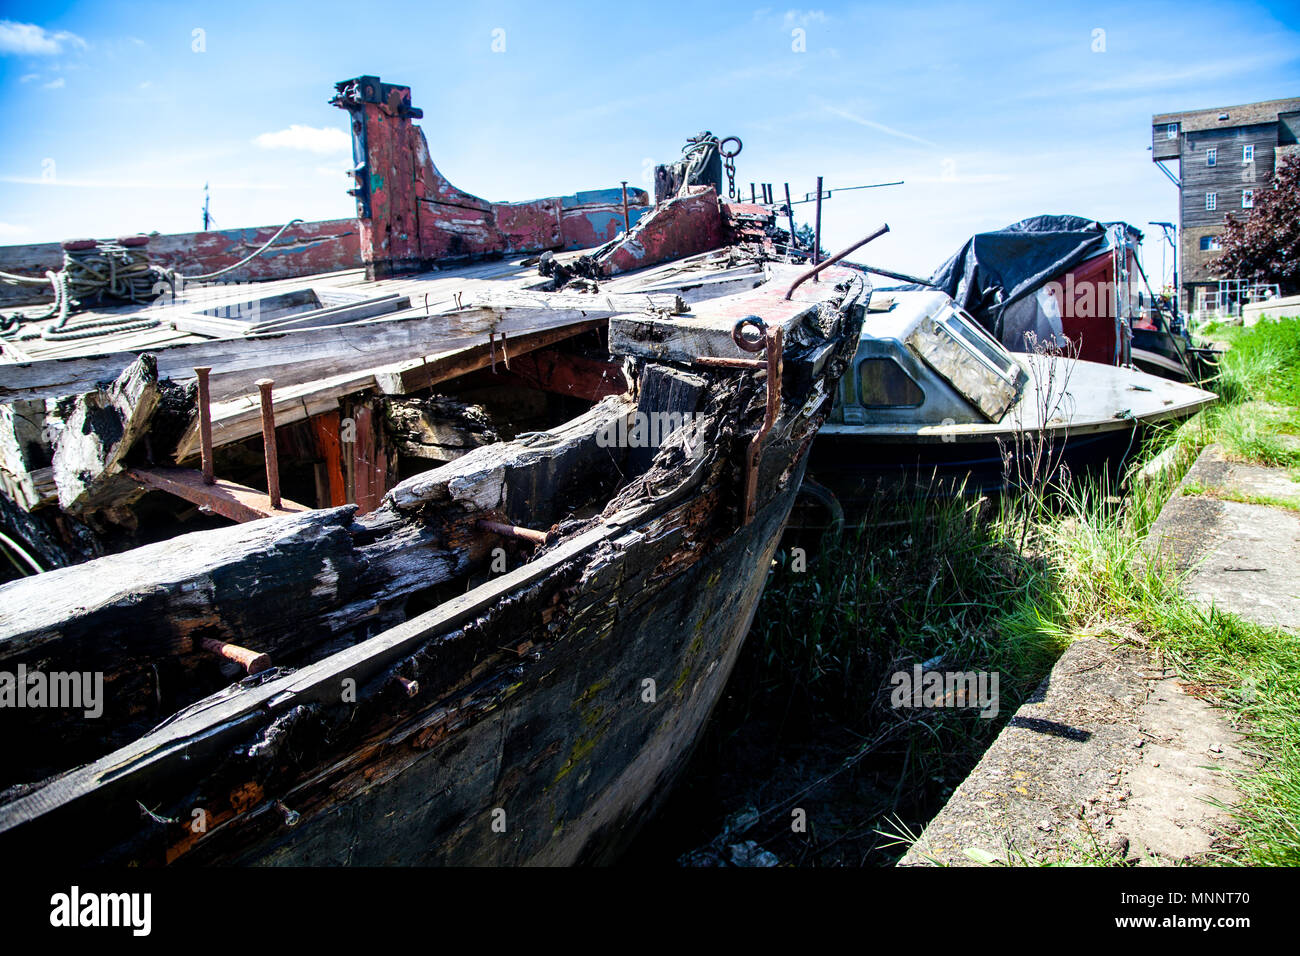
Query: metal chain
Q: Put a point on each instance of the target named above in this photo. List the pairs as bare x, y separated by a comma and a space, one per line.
729, 162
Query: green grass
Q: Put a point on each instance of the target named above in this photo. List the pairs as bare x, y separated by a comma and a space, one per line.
1263, 362
1227, 494
978, 585
1258, 381
1007, 587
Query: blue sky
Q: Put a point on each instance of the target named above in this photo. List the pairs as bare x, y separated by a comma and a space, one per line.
990, 113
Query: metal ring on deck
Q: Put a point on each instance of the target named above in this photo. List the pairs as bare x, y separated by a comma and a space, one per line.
750, 345
722, 147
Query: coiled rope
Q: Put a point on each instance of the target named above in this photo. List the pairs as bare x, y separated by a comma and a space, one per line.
93, 270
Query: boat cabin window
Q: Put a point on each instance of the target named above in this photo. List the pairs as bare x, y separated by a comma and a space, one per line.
971, 334
882, 383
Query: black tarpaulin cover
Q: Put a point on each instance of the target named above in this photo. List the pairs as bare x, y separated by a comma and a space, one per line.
994, 270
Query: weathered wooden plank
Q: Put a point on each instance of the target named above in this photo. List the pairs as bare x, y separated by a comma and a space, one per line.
238, 418
707, 331
592, 304
301, 356
235, 501
101, 428
573, 375
291, 358
337, 315
330, 487
24, 448
371, 459
414, 376
437, 428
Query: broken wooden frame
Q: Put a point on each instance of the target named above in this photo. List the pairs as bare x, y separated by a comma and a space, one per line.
643, 567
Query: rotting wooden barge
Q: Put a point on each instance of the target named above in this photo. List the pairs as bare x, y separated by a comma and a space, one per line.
509, 658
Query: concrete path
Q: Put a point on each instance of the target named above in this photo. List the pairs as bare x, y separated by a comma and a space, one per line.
1238, 552
1114, 758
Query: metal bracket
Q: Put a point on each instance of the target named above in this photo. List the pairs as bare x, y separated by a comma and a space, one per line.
771, 341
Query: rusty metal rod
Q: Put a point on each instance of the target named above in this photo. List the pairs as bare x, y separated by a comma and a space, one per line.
205, 423
252, 661
268, 442
789, 209
512, 531
627, 217
836, 258
817, 232
717, 361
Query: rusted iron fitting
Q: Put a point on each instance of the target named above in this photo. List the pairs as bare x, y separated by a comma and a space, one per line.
252, 661
205, 423
268, 442
835, 258
513, 531
771, 341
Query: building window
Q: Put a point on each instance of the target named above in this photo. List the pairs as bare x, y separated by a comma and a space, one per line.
1211, 157
1248, 154
1171, 131
1247, 199
1210, 244
1211, 202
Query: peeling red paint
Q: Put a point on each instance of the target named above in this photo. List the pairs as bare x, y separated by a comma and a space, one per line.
307, 248
683, 226
411, 216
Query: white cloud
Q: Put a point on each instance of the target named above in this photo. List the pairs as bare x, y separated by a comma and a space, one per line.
325, 140
29, 78
31, 40
9, 229
872, 124
54, 84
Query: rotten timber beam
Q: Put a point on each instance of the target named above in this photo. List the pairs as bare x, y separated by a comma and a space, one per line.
235, 501
97, 433
298, 357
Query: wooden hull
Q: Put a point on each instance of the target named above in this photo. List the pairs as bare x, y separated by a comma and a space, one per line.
530, 716
576, 757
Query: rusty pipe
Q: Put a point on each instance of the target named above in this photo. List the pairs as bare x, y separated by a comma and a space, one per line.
836, 258
627, 217
513, 531
268, 442
717, 361
252, 661
205, 423
817, 232
789, 211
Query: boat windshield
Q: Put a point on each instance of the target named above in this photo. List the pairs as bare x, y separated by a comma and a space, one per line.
955, 346
962, 326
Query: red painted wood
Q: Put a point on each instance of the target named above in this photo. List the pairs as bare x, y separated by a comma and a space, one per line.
683, 226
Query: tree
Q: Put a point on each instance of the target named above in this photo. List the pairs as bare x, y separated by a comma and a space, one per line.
1265, 247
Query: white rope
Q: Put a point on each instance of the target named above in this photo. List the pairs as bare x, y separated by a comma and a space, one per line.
109, 269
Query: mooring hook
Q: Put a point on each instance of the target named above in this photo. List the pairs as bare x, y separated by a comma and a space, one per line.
722, 147
743, 341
